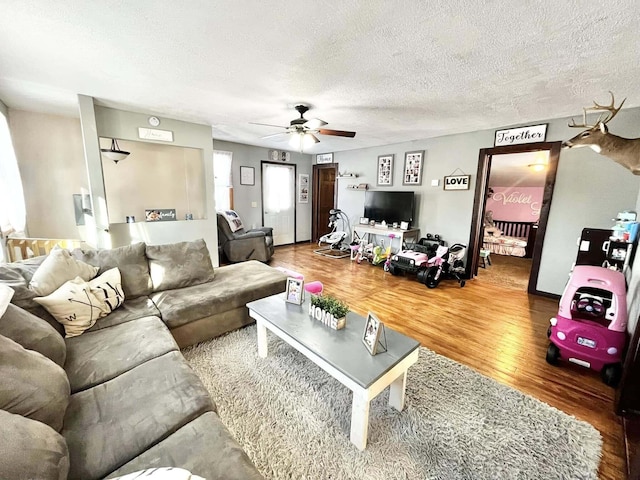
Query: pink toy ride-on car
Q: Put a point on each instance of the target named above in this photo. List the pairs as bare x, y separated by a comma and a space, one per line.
590, 328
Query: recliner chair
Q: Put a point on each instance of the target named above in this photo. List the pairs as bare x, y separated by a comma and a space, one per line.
243, 245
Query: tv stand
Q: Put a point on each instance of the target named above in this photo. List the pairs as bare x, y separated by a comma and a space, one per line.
367, 230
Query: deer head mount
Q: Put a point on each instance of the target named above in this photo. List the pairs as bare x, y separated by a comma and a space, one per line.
625, 151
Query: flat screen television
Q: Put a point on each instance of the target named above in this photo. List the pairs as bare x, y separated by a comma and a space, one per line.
389, 206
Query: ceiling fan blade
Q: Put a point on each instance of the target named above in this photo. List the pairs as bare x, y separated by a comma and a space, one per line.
337, 133
315, 123
313, 137
279, 134
267, 125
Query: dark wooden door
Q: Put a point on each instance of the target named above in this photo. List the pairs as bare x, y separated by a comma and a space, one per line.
324, 198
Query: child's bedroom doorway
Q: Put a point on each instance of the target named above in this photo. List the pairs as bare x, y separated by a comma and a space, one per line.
513, 196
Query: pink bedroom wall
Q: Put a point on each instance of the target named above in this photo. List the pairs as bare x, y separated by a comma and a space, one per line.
517, 204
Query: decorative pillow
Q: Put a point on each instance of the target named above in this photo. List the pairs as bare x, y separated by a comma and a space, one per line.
74, 306
31, 385
179, 265
6, 292
31, 449
33, 333
108, 290
233, 219
78, 304
131, 261
58, 268
164, 473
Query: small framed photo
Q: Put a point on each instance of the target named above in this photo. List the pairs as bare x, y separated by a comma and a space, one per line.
247, 176
324, 158
413, 162
295, 291
364, 221
385, 170
303, 188
371, 334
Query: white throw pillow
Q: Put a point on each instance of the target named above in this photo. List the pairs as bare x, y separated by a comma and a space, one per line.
108, 290
59, 267
78, 304
6, 293
74, 306
164, 473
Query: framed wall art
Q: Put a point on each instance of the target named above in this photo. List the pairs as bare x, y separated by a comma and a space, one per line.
303, 188
324, 158
413, 162
385, 170
247, 176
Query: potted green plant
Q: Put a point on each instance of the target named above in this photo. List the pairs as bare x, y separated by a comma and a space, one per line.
329, 310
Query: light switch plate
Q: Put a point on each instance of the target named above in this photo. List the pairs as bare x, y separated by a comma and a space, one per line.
435, 182
254, 204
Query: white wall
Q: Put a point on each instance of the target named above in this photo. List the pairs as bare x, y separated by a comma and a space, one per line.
123, 125
154, 176
590, 189
245, 195
51, 161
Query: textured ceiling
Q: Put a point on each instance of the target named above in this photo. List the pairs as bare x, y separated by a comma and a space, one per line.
391, 70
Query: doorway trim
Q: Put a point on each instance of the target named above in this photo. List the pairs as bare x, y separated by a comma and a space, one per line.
295, 186
480, 202
315, 197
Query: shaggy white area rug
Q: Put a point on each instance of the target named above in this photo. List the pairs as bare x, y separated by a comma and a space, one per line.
293, 420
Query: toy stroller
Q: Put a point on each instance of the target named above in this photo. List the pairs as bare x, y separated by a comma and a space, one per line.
590, 328
446, 264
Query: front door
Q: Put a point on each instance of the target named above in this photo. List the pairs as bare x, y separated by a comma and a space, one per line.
278, 201
324, 197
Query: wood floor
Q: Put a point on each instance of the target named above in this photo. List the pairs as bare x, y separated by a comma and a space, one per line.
499, 332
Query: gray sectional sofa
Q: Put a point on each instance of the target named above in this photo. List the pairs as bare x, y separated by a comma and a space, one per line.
120, 397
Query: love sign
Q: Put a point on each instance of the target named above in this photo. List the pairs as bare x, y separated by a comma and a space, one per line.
457, 182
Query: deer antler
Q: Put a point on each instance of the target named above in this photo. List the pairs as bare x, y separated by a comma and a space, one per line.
603, 118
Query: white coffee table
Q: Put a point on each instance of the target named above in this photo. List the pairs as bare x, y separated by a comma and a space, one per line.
341, 354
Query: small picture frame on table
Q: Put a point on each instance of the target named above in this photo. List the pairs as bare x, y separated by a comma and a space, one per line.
295, 291
372, 335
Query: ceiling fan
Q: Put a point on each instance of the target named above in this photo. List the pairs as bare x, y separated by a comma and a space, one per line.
303, 131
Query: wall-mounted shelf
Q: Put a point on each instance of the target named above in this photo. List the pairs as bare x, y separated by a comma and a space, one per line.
348, 175
362, 186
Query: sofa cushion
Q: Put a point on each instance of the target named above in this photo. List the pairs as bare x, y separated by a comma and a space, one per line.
31, 449
234, 286
110, 424
17, 275
101, 355
32, 385
130, 310
74, 306
178, 265
215, 455
33, 333
131, 261
59, 267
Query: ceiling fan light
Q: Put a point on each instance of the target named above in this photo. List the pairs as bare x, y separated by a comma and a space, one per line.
315, 123
114, 153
